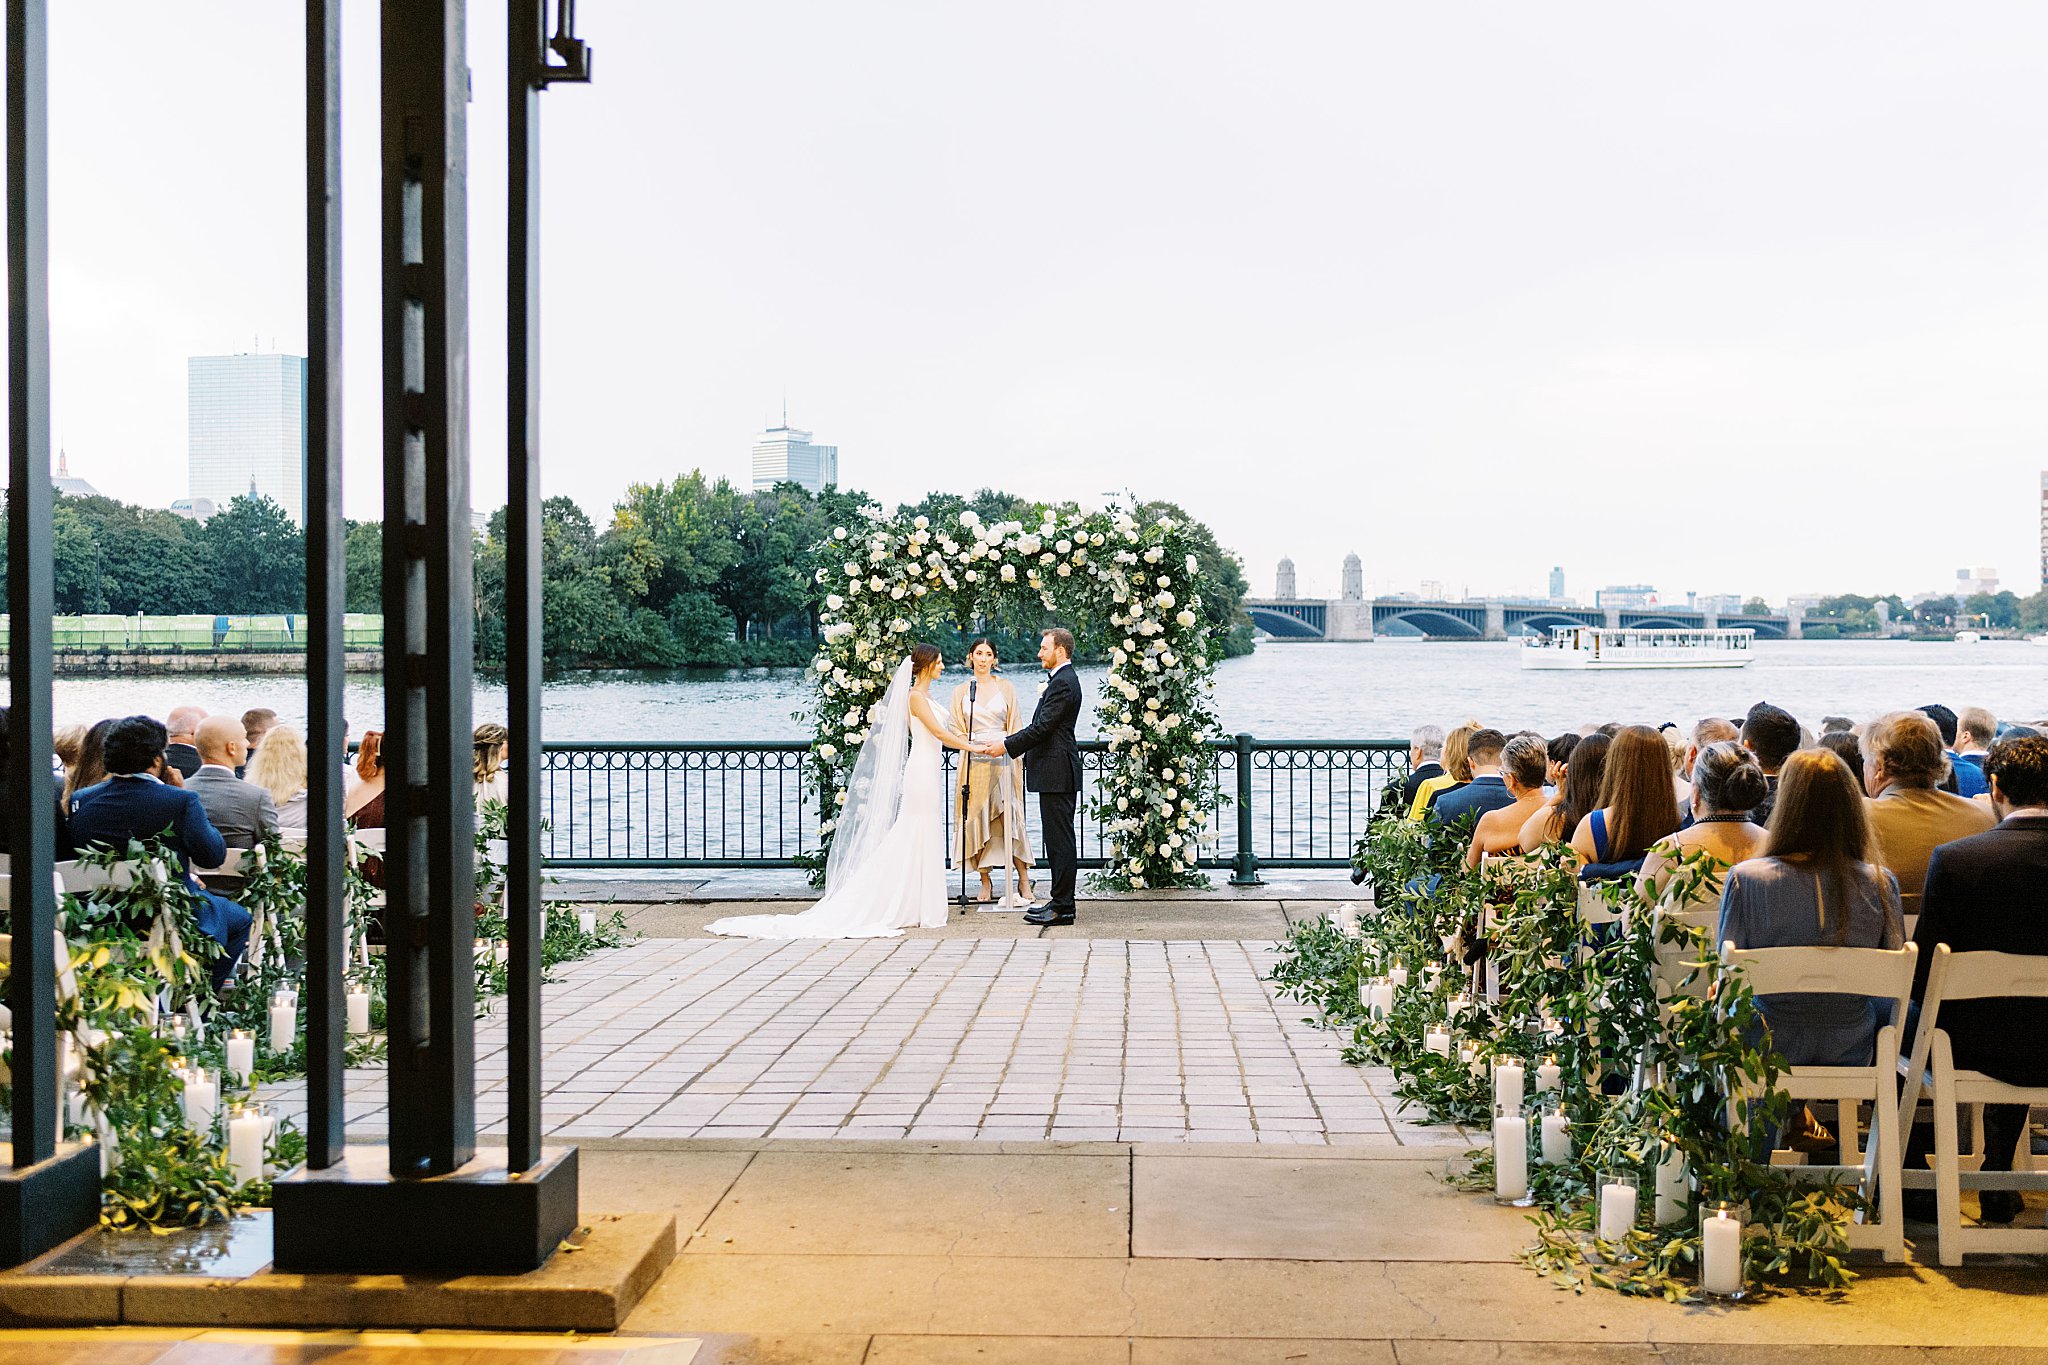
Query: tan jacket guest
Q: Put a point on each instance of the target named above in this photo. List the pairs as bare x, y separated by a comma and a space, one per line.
1908, 817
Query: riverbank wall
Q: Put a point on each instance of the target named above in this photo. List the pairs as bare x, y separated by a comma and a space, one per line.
96, 663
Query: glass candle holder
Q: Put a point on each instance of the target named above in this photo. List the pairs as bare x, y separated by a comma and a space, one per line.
1617, 1199
1721, 1274
1511, 1157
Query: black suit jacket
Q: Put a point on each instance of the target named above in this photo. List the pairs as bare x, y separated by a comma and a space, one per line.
1989, 892
183, 757
1054, 764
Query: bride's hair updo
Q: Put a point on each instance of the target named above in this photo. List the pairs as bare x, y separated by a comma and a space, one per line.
922, 657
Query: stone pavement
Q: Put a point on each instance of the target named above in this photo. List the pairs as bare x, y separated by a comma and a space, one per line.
982, 1030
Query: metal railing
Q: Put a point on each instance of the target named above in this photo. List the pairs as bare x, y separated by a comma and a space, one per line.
1277, 803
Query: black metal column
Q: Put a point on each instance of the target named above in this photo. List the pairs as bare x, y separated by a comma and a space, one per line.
326, 903
529, 72
49, 1192
429, 662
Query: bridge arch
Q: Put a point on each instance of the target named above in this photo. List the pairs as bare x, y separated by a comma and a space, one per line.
1282, 625
1540, 622
1660, 623
1437, 625
1766, 628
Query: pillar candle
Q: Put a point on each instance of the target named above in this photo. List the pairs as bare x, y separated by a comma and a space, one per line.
1557, 1139
586, 920
1721, 1254
241, 1049
1437, 1041
284, 1021
1548, 1074
1347, 919
1510, 1157
1671, 1187
1617, 1211
245, 1144
1398, 975
1382, 1002
201, 1097
358, 1010
1507, 1087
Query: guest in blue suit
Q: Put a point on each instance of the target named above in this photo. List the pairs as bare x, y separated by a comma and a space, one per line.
1487, 791
142, 799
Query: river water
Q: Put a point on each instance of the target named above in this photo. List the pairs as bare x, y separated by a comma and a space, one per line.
1382, 689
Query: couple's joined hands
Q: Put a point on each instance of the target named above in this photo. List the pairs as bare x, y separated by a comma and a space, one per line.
993, 749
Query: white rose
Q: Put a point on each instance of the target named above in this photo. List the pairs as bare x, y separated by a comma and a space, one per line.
852, 569
833, 602
1194, 565
875, 583
839, 533
1009, 573
970, 518
1066, 571
1154, 555
828, 752
1186, 620
1166, 774
1167, 658
1165, 600
853, 715
973, 576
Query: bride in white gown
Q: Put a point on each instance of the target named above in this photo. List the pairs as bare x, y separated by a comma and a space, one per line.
886, 871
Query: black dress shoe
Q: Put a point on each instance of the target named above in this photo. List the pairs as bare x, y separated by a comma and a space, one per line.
1043, 915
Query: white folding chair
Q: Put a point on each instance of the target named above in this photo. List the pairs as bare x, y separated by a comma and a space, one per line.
1931, 1074
239, 863
1877, 974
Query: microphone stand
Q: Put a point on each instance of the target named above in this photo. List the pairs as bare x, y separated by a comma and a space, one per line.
967, 757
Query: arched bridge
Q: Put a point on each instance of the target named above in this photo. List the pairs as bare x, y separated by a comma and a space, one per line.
1479, 619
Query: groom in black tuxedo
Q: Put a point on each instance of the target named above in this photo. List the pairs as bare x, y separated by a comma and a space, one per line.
1054, 771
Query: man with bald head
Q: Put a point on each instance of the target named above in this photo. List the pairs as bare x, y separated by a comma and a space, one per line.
242, 811
183, 724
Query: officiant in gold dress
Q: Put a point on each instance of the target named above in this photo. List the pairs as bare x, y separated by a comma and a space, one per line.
992, 835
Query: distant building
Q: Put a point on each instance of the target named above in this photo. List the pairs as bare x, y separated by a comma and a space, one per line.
2044, 528
1557, 583
785, 455
246, 429
1354, 579
1970, 582
195, 509
68, 486
1283, 580
1721, 603
1626, 595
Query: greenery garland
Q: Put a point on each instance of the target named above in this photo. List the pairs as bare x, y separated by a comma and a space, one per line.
1133, 583
137, 1007
1589, 1004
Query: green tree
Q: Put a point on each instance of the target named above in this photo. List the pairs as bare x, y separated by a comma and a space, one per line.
81, 588
1756, 606
1224, 586
362, 566
259, 557
2000, 610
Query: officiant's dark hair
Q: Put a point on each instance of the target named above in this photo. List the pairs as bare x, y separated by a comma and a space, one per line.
921, 658
995, 667
1061, 637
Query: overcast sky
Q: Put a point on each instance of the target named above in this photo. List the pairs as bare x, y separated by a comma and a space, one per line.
1743, 297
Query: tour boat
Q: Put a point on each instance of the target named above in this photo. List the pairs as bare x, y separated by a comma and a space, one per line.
1606, 647
1969, 637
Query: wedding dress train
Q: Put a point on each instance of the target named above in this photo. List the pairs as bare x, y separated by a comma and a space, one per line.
893, 874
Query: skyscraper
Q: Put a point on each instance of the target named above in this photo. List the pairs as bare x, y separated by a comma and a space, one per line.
785, 455
1557, 583
2044, 528
246, 429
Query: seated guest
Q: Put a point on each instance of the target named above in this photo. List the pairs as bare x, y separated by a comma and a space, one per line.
1579, 795
1726, 785
1425, 761
1908, 817
67, 744
1681, 771
143, 799
183, 725
242, 811
257, 722
1830, 725
1457, 770
363, 807
1976, 729
1990, 892
493, 746
1522, 768
1772, 735
279, 768
1845, 746
1710, 730
90, 770
1815, 885
1637, 807
1484, 791
1964, 779
1557, 762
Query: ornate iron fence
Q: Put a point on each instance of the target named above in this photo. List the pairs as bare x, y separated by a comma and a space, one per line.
1278, 803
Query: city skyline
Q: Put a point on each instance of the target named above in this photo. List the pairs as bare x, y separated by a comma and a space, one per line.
1730, 333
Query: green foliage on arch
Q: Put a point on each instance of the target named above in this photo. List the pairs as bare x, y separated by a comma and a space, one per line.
1131, 586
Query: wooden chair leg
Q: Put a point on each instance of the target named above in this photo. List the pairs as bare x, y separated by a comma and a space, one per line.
1948, 1196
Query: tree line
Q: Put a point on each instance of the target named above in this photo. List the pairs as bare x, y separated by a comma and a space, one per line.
690, 572
1850, 616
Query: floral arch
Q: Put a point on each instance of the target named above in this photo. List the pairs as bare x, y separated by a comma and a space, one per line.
1131, 584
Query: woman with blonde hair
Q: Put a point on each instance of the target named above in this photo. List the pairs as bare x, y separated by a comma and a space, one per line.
1638, 805
1457, 769
279, 767
992, 835
493, 746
